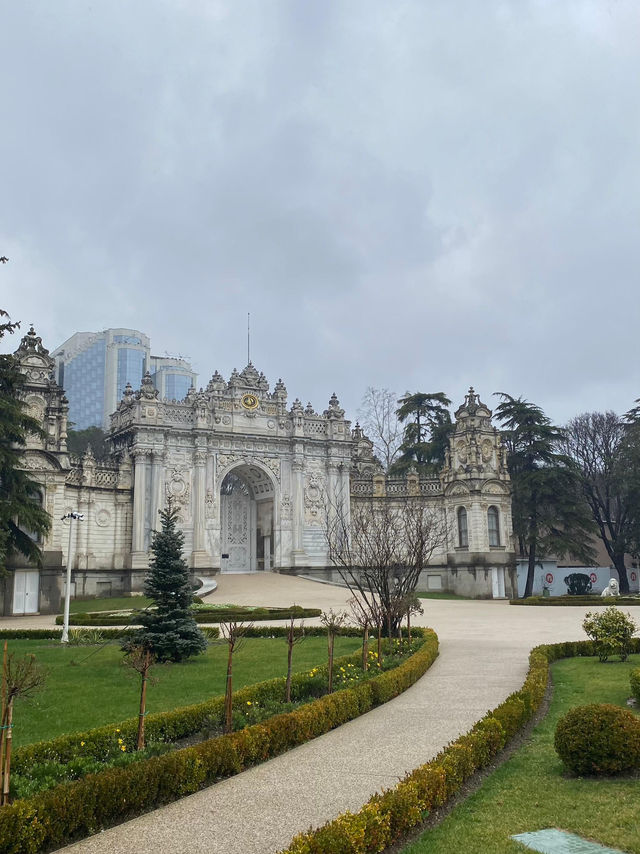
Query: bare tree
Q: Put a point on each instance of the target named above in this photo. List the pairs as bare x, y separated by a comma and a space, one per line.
380, 547
379, 421
333, 622
599, 444
21, 677
140, 659
294, 636
233, 633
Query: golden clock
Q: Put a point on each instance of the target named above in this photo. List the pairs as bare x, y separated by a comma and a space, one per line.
249, 401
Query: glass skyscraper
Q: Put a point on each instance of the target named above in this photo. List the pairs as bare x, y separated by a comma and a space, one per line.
94, 368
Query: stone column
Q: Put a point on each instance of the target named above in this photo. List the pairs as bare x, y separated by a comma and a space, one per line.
297, 555
199, 556
157, 488
139, 557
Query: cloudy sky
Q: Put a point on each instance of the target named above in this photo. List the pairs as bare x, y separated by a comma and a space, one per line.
414, 195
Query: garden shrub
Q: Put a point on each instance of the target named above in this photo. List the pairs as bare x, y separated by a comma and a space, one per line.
611, 632
598, 740
634, 679
578, 584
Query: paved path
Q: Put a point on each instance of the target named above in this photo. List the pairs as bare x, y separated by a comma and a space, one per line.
483, 657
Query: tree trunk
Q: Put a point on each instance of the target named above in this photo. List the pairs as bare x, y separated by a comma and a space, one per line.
287, 698
380, 644
365, 647
330, 642
7, 756
618, 562
228, 723
3, 715
409, 627
143, 701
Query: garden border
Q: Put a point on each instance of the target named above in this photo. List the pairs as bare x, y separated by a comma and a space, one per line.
568, 601
83, 807
389, 816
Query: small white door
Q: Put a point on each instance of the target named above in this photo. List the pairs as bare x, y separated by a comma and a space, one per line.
25, 592
497, 582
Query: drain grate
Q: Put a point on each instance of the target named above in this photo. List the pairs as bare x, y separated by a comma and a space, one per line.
552, 841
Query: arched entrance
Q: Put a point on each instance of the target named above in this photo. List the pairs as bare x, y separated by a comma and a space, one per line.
246, 520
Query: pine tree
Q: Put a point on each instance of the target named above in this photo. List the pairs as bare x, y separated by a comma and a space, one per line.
169, 630
20, 509
426, 434
549, 513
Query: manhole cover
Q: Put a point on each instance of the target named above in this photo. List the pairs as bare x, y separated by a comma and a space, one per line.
552, 841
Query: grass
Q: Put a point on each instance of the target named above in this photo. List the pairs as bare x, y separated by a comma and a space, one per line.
116, 603
87, 686
432, 594
530, 792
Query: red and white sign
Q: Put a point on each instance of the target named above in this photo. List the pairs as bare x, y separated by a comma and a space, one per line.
549, 578
593, 577
633, 576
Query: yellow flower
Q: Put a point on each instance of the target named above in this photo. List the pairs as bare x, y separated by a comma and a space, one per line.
249, 703
117, 730
122, 747
119, 741
82, 744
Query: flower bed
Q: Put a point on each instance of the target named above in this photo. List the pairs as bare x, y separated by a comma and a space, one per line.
81, 807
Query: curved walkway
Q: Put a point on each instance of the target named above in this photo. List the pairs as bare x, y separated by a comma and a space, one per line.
483, 657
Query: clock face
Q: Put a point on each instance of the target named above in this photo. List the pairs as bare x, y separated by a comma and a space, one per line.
249, 401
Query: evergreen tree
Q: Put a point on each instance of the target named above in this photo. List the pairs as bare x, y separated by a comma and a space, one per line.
21, 513
426, 434
549, 513
169, 630
94, 437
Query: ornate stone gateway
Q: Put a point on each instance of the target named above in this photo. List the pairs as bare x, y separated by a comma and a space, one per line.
237, 510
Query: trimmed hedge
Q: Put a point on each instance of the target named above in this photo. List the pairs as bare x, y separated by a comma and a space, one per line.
594, 599
387, 817
82, 807
214, 615
634, 680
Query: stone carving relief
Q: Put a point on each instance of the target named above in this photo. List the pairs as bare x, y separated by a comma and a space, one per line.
103, 517
285, 508
209, 504
313, 499
178, 490
487, 451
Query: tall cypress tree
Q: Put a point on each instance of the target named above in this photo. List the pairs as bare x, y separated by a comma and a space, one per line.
20, 509
169, 630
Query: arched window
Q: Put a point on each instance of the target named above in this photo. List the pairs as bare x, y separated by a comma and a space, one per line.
493, 523
463, 531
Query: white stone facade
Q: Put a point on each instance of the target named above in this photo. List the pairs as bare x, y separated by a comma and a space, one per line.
250, 477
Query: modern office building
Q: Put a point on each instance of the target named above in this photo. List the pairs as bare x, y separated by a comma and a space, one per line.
94, 368
172, 376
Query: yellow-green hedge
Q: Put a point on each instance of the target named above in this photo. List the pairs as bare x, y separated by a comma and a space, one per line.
77, 809
389, 816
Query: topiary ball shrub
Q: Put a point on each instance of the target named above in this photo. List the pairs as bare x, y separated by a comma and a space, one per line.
599, 740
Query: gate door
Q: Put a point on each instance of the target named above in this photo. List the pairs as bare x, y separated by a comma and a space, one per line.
25, 592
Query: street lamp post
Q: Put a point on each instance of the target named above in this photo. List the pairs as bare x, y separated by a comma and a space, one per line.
78, 517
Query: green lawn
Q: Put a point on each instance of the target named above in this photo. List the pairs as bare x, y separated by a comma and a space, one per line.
530, 792
434, 594
117, 603
87, 687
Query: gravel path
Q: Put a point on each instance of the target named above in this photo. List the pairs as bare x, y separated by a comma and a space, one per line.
484, 648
